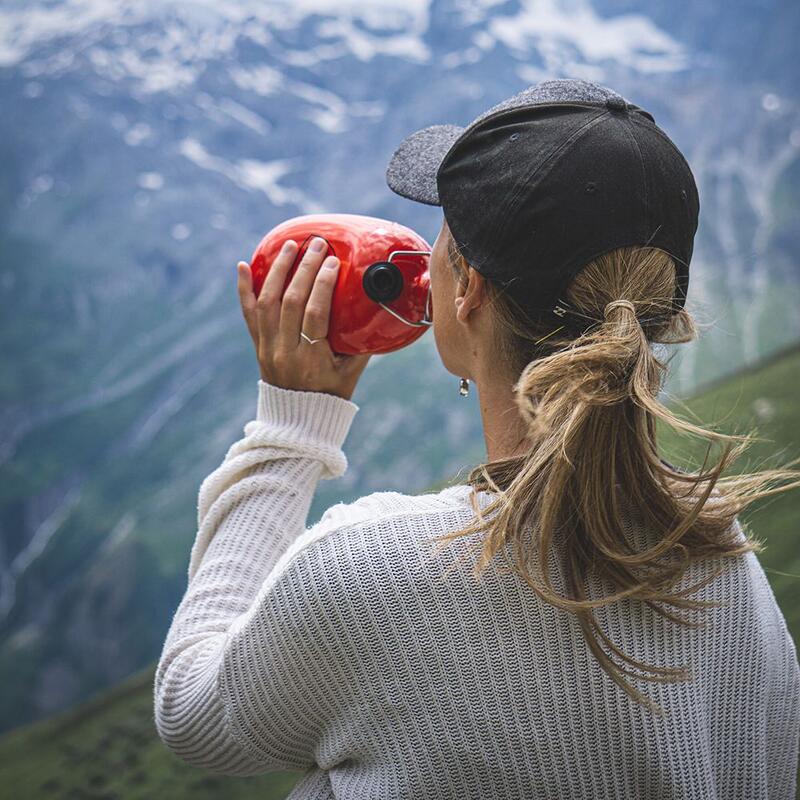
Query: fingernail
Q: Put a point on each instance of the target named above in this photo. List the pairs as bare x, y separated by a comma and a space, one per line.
286, 246
331, 263
317, 244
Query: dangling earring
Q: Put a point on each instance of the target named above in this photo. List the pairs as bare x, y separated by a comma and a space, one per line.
463, 388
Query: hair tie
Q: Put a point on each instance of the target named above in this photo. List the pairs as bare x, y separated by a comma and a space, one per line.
614, 303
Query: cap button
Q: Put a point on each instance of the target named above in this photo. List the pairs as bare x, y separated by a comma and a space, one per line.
616, 104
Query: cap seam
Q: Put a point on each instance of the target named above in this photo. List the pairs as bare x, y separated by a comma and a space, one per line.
476, 124
549, 163
692, 220
654, 127
600, 105
632, 109
648, 220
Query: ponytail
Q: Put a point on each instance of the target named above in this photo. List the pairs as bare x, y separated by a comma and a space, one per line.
591, 407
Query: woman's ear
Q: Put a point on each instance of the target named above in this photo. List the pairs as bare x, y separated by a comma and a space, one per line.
471, 296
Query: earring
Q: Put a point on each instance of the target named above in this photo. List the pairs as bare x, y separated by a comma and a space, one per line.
463, 388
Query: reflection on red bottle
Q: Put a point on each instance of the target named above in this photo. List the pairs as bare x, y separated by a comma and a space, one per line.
381, 301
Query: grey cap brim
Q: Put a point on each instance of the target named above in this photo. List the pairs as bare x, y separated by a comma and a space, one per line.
413, 166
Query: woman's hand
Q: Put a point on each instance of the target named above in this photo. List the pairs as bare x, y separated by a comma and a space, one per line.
284, 357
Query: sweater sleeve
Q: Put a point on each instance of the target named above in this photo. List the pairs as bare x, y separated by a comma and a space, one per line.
250, 510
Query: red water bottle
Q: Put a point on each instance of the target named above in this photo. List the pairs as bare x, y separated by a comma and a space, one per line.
381, 301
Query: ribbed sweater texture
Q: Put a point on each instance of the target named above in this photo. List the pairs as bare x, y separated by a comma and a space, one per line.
370, 659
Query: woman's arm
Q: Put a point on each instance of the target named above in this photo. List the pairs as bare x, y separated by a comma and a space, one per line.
250, 509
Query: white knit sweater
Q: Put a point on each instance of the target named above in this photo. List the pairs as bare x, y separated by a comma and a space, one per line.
354, 651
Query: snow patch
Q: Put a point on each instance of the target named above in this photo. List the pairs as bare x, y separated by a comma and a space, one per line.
244, 115
181, 231
151, 180
251, 175
263, 79
188, 34
328, 111
556, 28
138, 133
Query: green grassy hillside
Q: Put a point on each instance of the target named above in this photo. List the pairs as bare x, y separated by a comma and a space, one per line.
764, 399
108, 747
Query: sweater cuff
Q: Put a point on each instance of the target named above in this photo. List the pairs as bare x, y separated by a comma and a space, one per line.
310, 416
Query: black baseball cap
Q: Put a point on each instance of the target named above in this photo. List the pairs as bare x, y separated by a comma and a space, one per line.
540, 184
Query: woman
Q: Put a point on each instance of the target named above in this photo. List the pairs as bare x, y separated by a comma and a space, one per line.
364, 649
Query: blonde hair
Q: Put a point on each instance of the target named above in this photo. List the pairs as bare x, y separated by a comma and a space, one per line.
596, 393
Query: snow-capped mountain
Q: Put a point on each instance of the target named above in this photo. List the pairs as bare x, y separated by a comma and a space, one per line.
148, 146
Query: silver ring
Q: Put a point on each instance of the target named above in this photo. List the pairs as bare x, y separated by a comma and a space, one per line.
312, 341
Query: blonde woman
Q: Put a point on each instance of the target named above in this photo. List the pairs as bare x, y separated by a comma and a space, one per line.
580, 619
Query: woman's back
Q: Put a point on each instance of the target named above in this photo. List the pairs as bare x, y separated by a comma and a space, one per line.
366, 654
440, 686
